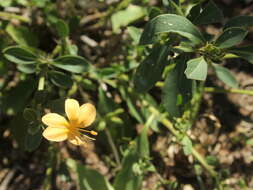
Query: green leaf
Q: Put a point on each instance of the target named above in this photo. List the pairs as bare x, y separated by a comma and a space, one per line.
187, 145
71, 63
176, 86
32, 142
22, 36
150, 70
60, 79
245, 52
16, 99
62, 28
89, 179
34, 128
240, 21
27, 68
210, 14
196, 69
230, 37
19, 55
225, 76
18, 128
135, 33
127, 16
29, 114
170, 23
194, 12
126, 179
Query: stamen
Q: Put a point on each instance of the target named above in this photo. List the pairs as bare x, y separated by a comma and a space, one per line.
87, 131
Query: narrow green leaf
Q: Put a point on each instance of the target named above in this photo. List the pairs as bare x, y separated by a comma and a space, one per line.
176, 85
231, 37
127, 16
71, 63
150, 70
225, 76
239, 21
245, 52
22, 36
210, 14
19, 55
196, 69
60, 79
194, 12
170, 23
27, 68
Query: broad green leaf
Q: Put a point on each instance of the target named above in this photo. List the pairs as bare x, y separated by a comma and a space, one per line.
194, 12
196, 69
240, 21
187, 145
19, 55
60, 79
225, 76
32, 142
71, 63
135, 33
210, 14
16, 99
27, 68
245, 52
89, 179
170, 23
150, 70
231, 37
34, 128
29, 114
127, 16
126, 179
22, 36
177, 87
62, 28
18, 128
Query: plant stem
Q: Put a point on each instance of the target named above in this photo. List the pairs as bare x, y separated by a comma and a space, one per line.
41, 83
232, 90
177, 134
13, 16
113, 146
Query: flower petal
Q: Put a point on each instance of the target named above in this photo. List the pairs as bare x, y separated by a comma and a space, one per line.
72, 109
54, 119
55, 133
87, 114
76, 140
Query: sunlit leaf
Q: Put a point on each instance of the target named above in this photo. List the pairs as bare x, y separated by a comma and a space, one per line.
170, 23
196, 69
231, 37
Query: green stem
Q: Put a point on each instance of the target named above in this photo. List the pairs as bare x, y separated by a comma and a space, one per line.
41, 83
13, 16
177, 134
232, 90
113, 146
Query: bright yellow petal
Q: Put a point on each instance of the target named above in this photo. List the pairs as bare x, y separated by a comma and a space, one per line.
76, 140
56, 133
54, 119
72, 109
87, 114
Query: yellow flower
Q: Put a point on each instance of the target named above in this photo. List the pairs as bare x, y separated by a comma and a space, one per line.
79, 117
